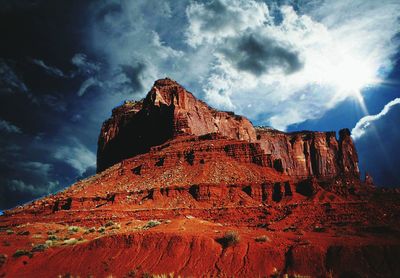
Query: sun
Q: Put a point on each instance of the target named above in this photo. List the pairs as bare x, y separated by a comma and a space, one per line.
345, 73
351, 75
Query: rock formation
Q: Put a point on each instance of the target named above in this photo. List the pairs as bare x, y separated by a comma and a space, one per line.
169, 111
188, 190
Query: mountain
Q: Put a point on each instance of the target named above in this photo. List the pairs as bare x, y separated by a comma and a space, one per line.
183, 188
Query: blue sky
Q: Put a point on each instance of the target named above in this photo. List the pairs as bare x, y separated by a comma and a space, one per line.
292, 65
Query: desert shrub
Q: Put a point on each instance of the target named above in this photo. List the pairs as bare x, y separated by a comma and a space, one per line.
9, 232
230, 238
39, 248
49, 243
262, 239
101, 230
116, 226
20, 253
70, 241
92, 230
151, 224
52, 237
109, 224
73, 229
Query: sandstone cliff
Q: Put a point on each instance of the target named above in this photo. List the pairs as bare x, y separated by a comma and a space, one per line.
169, 111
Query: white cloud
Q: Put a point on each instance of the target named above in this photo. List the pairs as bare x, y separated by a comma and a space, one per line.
49, 69
76, 155
298, 67
125, 35
216, 20
8, 127
364, 123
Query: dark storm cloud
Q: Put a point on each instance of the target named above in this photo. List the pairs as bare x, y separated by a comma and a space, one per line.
41, 167
9, 81
261, 55
8, 127
133, 73
42, 65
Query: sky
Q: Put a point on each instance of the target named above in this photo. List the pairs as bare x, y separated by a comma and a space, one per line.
291, 65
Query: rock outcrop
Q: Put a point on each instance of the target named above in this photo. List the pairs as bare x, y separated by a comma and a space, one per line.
169, 111
305, 154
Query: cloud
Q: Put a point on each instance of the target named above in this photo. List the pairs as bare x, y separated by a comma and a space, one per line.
261, 55
20, 186
76, 155
213, 21
8, 127
55, 102
377, 139
9, 81
364, 123
133, 73
49, 69
36, 168
132, 48
84, 65
281, 66
92, 81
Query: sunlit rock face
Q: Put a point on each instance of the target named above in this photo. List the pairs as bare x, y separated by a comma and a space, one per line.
167, 111
170, 111
306, 153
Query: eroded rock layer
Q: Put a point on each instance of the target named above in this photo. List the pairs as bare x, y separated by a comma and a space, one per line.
169, 111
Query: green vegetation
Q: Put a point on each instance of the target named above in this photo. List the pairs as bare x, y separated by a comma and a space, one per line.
109, 224
151, 224
73, 229
39, 248
52, 237
20, 253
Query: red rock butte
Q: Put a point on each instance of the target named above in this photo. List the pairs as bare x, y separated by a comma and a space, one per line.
185, 189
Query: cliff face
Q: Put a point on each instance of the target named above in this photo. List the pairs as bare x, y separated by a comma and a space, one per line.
304, 154
169, 111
